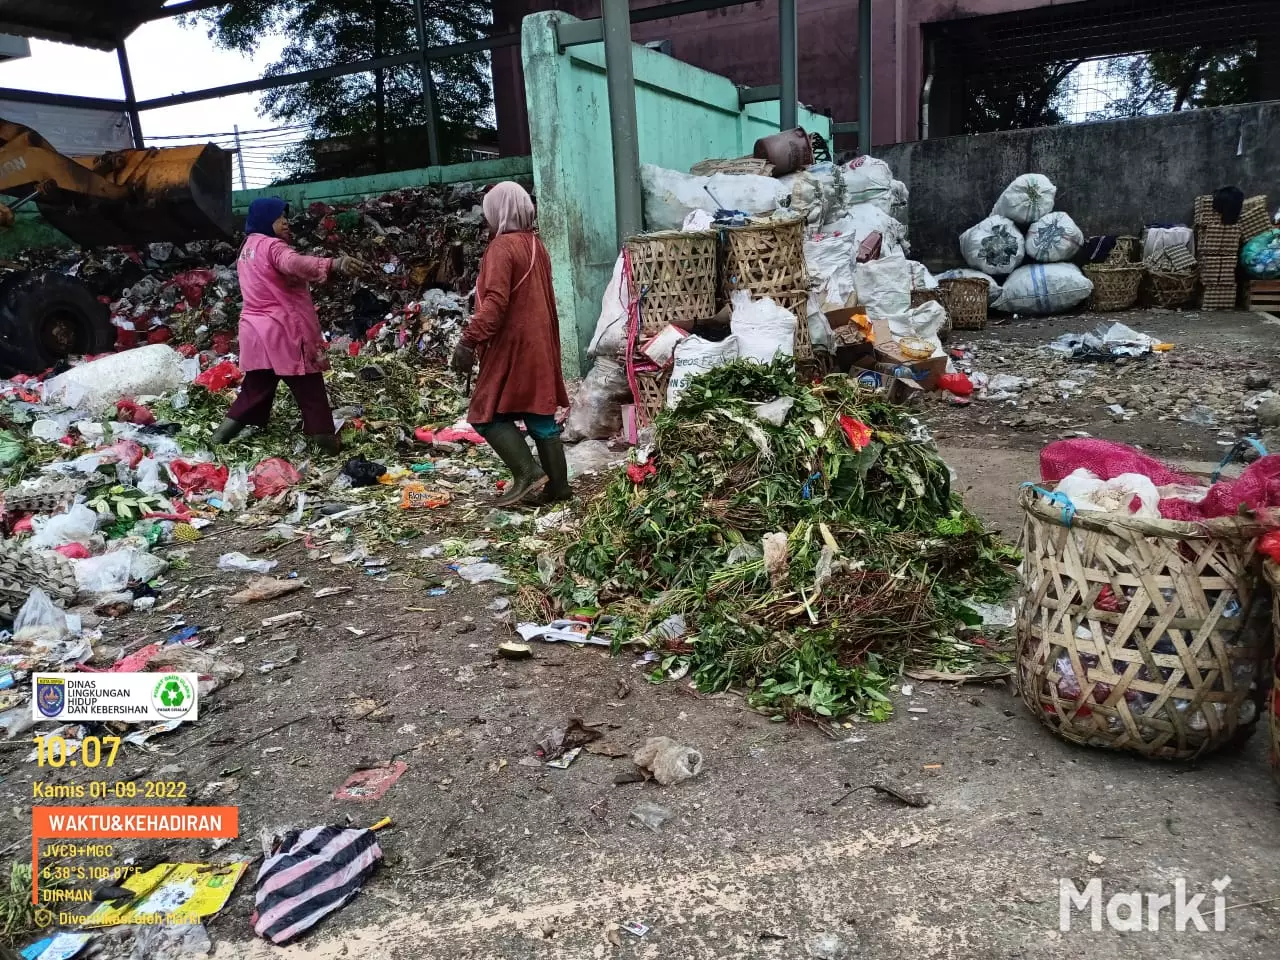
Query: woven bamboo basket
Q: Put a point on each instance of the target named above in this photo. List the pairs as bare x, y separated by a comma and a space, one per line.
966, 301
1142, 635
1125, 251
1115, 285
673, 274
738, 165
765, 259
1170, 288
651, 393
1272, 573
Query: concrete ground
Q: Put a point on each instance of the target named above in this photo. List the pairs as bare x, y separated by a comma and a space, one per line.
491, 856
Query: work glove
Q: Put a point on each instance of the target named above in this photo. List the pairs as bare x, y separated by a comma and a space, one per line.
463, 359
349, 266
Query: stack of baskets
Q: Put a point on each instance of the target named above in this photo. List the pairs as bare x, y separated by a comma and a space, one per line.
1138, 634
966, 301
1117, 279
1218, 248
767, 260
673, 279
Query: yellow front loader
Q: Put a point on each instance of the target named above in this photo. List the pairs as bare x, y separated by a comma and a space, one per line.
119, 198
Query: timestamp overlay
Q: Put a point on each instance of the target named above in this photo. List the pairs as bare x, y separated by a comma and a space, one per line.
73, 824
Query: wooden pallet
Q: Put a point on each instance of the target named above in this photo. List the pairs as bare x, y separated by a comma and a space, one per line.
1264, 296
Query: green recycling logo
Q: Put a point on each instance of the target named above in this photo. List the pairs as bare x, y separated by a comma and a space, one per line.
173, 697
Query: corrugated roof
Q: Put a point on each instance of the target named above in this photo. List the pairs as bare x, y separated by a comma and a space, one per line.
87, 23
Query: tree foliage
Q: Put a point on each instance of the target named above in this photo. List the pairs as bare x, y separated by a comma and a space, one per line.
1013, 100
1168, 81
378, 116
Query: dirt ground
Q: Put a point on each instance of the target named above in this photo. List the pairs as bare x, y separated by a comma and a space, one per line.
493, 855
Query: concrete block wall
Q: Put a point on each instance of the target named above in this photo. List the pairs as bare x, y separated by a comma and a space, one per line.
684, 115
1113, 177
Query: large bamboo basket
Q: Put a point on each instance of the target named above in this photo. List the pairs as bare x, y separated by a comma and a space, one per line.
1142, 635
767, 260
673, 275
1115, 286
966, 301
1171, 288
1273, 701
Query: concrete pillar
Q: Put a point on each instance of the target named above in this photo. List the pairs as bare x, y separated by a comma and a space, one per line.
620, 76
787, 57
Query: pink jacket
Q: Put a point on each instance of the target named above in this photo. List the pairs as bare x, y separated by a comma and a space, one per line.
279, 329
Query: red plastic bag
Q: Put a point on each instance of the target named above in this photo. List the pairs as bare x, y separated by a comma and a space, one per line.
198, 477
160, 335
222, 343
129, 410
855, 431
123, 451
73, 551
188, 350
221, 376
192, 284
271, 476
957, 383
1269, 546
638, 473
447, 435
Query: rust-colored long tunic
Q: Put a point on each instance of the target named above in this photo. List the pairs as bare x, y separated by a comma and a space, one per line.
515, 332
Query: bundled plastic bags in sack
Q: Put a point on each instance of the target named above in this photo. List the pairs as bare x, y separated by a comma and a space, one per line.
764, 330
993, 285
1054, 238
863, 219
884, 286
695, 355
868, 180
1261, 255
75, 526
610, 338
596, 410
1027, 199
669, 195
994, 246
1043, 288
1129, 493
96, 386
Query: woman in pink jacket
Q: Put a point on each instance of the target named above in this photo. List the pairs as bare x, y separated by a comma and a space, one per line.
280, 336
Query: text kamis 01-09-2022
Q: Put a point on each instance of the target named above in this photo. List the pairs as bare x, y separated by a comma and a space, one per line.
111, 790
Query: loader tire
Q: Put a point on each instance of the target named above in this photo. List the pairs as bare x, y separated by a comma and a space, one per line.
22, 569
46, 317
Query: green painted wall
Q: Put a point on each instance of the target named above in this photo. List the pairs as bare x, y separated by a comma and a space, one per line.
30, 231
684, 115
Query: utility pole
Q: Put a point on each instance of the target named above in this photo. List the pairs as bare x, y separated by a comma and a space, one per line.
240, 156
620, 80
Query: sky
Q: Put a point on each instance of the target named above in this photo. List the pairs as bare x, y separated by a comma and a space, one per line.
166, 58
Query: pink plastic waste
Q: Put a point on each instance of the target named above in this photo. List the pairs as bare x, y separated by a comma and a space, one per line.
271, 476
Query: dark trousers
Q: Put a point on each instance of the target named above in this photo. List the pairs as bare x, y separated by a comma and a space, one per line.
258, 392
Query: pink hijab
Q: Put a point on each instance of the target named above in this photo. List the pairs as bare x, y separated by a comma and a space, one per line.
508, 208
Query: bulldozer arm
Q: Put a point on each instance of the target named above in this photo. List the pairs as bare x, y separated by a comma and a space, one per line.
122, 197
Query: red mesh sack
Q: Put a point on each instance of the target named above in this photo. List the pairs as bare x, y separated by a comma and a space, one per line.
1106, 459
198, 477
271, 476
1256, 488
221, 376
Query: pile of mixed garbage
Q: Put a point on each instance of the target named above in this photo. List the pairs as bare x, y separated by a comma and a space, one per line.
424, 239
107, 471
800, 542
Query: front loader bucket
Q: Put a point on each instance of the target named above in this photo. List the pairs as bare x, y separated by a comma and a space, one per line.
176, 194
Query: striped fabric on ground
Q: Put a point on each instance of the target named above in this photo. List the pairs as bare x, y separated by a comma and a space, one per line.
312, 873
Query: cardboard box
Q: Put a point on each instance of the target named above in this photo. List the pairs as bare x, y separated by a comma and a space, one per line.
896, 389
890, 358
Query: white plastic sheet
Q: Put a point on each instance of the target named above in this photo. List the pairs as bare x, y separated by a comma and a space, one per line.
884, 286
764, 329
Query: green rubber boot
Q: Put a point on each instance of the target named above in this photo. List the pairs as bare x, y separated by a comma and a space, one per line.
227, 431
527, 478
551, 455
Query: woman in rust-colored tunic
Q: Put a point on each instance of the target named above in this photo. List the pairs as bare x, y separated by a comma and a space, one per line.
515, 334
